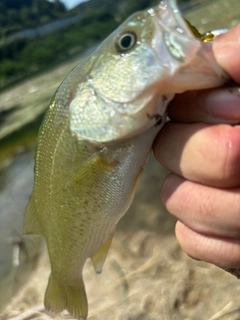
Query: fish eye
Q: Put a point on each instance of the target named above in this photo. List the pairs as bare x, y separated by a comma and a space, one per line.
125, 41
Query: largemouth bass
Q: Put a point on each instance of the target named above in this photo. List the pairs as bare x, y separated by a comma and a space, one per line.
96, 138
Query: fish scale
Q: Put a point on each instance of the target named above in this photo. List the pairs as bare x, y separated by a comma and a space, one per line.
96, 138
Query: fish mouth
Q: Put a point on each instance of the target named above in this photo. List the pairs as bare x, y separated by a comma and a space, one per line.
190, 63
177, 44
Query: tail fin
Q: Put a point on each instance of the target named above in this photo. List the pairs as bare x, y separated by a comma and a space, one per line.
73, 298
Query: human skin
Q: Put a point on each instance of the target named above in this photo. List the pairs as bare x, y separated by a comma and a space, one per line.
201, 148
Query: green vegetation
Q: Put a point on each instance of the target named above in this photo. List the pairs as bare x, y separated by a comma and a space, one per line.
20, 57
21, 14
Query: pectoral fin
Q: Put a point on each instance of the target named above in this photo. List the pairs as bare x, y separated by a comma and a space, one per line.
98, 258
31, 223
91, 172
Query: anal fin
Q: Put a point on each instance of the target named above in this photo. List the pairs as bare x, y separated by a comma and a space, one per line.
98, 258
31, 223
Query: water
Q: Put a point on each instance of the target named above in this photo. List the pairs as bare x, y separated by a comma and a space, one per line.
16, 182
44, 29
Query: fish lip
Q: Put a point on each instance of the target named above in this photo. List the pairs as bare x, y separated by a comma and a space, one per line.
173, 42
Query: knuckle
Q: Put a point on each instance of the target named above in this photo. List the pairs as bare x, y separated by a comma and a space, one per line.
232, 205
170, 191
229, 155
229, 256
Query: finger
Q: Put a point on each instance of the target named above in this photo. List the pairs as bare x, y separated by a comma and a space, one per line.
220, 105
202, 153
205, 210
226, 48
222, 252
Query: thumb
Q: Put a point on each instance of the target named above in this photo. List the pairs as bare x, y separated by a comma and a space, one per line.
226, 49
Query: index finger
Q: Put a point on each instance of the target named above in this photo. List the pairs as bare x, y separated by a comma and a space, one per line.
226, 49
220, 105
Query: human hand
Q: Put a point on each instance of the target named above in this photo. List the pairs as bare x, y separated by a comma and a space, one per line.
201, 146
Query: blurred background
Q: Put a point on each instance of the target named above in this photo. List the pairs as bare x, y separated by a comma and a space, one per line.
146, 276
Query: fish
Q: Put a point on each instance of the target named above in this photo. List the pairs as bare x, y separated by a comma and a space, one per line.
96, 138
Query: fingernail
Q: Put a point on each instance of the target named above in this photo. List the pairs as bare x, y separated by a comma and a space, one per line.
235, 91
224, 103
